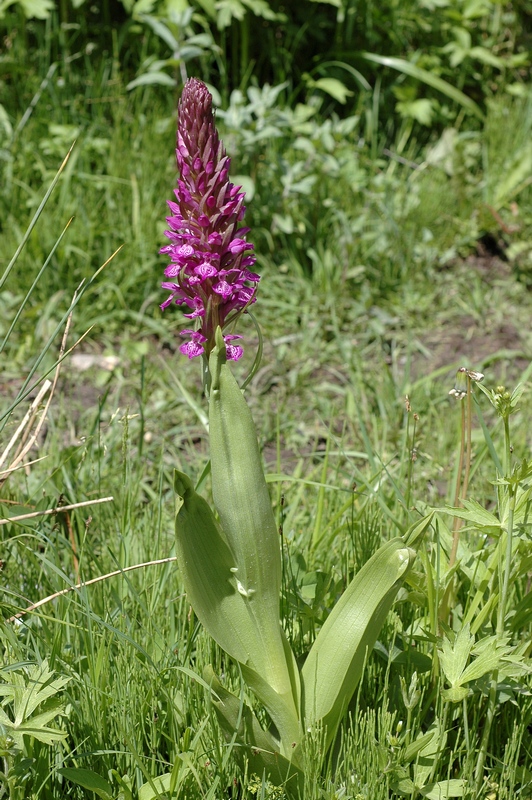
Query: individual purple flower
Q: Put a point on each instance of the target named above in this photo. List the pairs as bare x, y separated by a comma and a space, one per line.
209, 255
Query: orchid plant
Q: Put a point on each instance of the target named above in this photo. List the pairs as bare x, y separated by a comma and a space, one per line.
230, 558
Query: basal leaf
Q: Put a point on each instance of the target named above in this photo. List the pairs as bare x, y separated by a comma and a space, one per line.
206, 564
241, 498
334, 665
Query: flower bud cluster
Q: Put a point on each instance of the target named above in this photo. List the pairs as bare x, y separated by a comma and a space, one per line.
209, 255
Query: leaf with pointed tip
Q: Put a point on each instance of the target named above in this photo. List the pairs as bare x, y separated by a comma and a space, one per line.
423, 75
335, 663
242, 501
88, 779
414, 535
239, 488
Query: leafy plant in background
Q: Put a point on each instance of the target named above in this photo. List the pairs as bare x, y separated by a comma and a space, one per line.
185, 45
482, 650
28, 705
423, 63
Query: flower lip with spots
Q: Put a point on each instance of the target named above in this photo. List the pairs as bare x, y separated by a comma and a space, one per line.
210, 258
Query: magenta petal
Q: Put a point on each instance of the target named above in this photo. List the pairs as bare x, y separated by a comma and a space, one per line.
191, 350
206, 270
234, 352
224, 289
196, 336
167, 302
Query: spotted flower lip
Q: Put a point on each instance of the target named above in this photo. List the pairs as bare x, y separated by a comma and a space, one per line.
210, 257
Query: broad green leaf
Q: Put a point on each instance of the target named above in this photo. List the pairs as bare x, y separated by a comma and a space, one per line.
242, 501
404, 786
206, 564
419, 744
88, 779
239, 487
475, 513
229, 613
335, 663
157, 788
455, 694
414, 535
429, 753
279, 707
28, 690
454, 655
332, 86
407, 68
258, 747
40, 687
37, 726
444, 789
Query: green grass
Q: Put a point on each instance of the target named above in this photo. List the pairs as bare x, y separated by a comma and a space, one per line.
374, 296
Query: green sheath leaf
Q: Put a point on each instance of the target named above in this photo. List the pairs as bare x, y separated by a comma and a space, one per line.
242, 501
239, 487
334, 665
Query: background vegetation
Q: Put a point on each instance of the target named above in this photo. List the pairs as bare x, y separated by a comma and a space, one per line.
386, 150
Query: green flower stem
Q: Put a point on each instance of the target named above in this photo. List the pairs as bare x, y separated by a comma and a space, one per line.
490, 715
507, 446
505, 566
457, 493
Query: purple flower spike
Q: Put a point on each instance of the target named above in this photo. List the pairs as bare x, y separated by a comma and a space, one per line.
208, 251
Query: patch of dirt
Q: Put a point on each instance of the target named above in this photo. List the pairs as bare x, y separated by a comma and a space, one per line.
478, 343
465, 342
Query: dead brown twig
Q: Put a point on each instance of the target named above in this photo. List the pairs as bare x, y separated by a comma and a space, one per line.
82, 585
